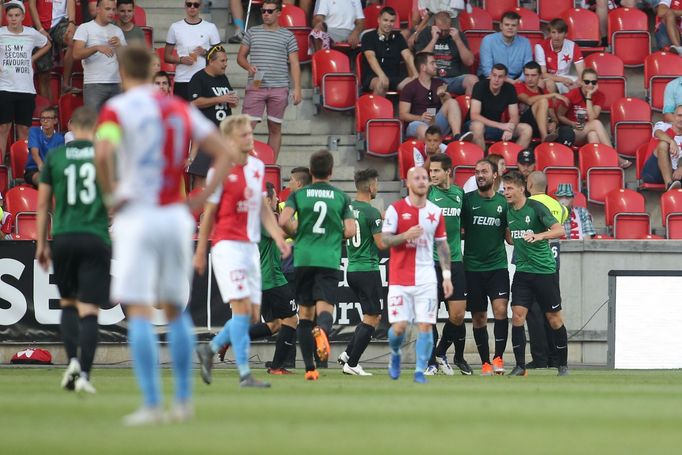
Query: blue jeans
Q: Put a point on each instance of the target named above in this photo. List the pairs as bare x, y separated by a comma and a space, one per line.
489, 133
455, 84
661, 35
440, 121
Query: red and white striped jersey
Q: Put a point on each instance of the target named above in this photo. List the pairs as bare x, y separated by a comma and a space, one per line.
239, 199
155, 135
50, 12
412, 262
558, 61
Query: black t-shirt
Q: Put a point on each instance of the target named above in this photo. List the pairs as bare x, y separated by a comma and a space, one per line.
493, 106
418, 96
448, 60
203, 85
387, 52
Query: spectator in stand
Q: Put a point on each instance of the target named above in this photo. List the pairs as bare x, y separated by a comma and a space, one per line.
126, 22
95, 43
41, 139
491, 99
581, 113
451, 51
212, 94
269, 51
192, 37
525, 161
337, 22
162, 80
383, 49
156, 63
56, 20
505, 47
498, 185
425, 101
17, 90
424, 12
672, 97
555, 56
433, 144
536, 106
238, 18
668, 30
579, 224
663, 166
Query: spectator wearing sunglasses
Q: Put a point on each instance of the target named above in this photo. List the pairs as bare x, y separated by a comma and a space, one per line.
425, 101
271, 53
581, 113
191, 37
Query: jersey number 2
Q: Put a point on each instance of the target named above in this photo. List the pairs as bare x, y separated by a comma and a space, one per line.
321, 208
85, 172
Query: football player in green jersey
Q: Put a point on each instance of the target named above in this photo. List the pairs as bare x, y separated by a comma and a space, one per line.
81, 247
363, 274
484, 222
540, 334
449, 198
529, 227
325, 219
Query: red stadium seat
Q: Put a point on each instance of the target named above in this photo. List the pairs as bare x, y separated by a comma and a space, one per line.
406, 156
671, 213
26, 225
140, 16
18, 154
273, 174
641, 155
371, 13
659, 69
622, 201
379, 132
530, 21
148, 36
68, 103
602, 237
200, 210
334, 85
612, 82
464, 156
557, 163
4, 179
477, 19
599, 168
55, 87
628, 34
509, 150
630, 125
294, 18
464, 102
41, 103
632, 226
167, 67
264, 152
21, 199
404, 10
550, 9
583, 28
496, 8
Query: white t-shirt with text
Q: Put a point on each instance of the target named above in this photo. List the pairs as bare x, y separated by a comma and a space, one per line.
16, 67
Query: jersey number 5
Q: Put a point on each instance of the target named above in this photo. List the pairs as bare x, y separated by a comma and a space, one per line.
321, 208
85, 172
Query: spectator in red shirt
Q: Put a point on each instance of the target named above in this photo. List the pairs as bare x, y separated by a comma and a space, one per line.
536, 106
582, 111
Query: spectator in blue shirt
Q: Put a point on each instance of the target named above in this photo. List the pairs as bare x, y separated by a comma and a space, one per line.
507, 48
41, 140
672, 97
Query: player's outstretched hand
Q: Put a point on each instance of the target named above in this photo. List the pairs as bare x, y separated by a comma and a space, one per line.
414, 232
199, 263
447, 288
284, 247
43, 256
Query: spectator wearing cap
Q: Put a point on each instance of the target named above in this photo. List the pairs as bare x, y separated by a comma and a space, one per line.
526, 162
505, 47
579, 224
17, 90
191, 37
337, 22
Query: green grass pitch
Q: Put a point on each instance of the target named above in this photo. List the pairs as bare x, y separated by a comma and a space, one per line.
589, 412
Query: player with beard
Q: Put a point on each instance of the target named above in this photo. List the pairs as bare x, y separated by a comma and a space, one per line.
484, 222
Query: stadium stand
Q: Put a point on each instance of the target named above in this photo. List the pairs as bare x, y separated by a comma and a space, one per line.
600, 171
406, 156
626, 215
549, 9
630, 125
659, 69
496, 8
557, 163
334, 85
294, 18
18, 154
583, 28
628, 35
611, 76
464, 156
379, 133
508, 150
671, 213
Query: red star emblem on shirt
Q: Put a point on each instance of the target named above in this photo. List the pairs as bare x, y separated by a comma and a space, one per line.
431, 217
394, 312
256, 174
566, 58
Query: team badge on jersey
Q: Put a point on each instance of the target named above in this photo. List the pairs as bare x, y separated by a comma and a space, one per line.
499, 209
